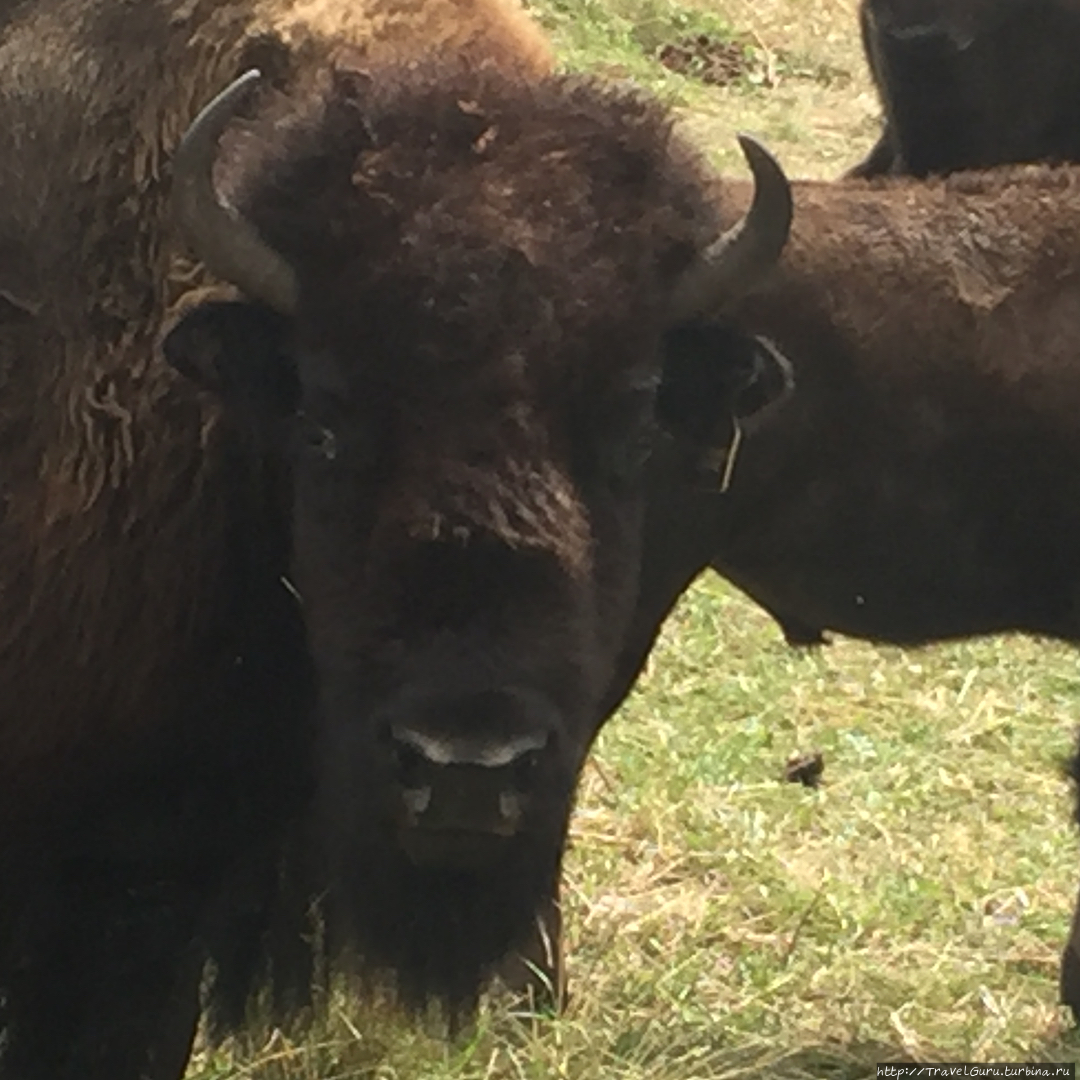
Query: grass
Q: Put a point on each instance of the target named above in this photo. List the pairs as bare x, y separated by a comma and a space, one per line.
722, 923
805, 90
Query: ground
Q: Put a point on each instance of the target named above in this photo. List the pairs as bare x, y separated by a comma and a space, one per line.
723, 923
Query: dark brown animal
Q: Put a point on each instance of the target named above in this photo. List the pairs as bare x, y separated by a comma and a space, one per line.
125, 555
383, 560
969, 84
467, 557
924, 481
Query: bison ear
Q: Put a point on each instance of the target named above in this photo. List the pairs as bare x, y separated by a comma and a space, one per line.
714, 374
238, 351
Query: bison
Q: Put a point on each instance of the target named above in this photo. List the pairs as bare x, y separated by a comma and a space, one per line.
327, 536
969, 84
923, 483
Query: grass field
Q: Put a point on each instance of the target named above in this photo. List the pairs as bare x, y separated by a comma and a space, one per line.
720, 922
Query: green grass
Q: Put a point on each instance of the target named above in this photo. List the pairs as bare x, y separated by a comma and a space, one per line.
720, 922
805, 89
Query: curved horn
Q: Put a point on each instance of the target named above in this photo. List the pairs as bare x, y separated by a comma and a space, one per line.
732, 264
229, 246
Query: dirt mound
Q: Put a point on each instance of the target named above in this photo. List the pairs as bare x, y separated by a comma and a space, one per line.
707, 58
720, 60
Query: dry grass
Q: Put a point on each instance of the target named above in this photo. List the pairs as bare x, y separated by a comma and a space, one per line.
817, 126
721, 923
807, 92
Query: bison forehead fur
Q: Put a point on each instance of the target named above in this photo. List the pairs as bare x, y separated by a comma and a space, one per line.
474, 246
531, 213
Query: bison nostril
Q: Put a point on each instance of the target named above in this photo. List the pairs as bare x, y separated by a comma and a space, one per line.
510, 807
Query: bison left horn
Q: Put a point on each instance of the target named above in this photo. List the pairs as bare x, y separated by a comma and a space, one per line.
230, 247
736, 261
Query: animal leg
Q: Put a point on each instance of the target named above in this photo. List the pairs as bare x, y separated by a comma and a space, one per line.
879, 162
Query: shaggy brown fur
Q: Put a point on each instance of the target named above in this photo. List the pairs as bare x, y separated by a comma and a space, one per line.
147, 735
968, 84
94, 96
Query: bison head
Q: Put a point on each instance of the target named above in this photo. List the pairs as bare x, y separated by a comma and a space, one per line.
462, 293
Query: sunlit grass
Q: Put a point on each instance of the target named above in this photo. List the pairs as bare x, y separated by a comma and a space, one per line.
806, 93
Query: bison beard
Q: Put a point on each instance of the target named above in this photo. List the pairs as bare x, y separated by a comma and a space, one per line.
440, 932
428, 935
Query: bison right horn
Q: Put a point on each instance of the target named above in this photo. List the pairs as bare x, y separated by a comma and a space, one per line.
737, 260
230, 247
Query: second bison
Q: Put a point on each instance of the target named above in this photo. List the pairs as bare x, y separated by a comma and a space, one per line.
924, 481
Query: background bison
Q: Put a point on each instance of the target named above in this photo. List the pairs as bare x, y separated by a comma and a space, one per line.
384, 560
906, 495
922, 483
967, 84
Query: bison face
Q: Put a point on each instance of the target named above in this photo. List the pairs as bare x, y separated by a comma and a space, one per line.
471, 281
